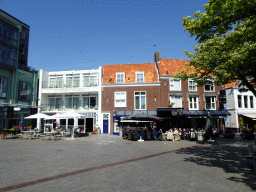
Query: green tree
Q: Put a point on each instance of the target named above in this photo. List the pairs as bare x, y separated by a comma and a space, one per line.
226, 36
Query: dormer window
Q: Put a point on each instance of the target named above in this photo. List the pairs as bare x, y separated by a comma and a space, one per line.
139, 76
120, 77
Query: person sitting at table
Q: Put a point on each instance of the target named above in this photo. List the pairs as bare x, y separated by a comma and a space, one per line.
170, 135
160, 135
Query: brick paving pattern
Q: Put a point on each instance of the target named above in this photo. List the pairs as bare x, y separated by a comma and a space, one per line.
109, 163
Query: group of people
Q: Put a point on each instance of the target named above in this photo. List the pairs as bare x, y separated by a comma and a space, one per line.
172, 134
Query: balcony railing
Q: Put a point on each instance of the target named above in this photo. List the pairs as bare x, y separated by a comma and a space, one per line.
61, 84
55, 108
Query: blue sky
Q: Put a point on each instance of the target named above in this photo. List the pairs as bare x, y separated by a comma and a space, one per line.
86, 34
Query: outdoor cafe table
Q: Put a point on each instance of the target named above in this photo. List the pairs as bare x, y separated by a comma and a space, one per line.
30, 133
52, 135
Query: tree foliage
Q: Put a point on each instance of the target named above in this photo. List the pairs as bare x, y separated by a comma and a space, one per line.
226, 49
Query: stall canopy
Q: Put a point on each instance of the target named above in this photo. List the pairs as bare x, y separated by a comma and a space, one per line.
142, 117
252, 116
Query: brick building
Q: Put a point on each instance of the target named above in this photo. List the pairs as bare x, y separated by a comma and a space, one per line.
128, 89
150, 88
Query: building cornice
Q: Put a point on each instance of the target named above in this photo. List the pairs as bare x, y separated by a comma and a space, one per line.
131, 84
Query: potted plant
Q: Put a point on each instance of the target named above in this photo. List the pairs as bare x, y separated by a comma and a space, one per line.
86, 107
95, 107
63, 108
50, 86
48, 108
74, 107
170, 105
65, 85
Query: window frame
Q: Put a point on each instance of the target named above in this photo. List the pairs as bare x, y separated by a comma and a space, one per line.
122, 79
172, 83
3, 87
212, 87
119, 98
239, 102
138, 73
89, 101
194, 85
251, 102
197, 103
172, 101
246, 101
211, 102
27, 90
140, 95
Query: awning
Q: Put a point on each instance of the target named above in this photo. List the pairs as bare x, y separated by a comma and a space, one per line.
205, 113
252, 116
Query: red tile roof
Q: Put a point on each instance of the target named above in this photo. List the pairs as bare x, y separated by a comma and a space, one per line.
171, 66
109, 71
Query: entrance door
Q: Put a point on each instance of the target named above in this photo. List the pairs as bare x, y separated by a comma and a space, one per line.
89, 124
105, 126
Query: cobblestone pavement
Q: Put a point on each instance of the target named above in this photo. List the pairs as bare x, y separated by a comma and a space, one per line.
109, 163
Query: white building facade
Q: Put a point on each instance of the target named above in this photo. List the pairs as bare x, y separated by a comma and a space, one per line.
76, 90
240, 104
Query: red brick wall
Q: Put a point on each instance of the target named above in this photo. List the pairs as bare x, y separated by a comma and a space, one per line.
108, 95
184, 89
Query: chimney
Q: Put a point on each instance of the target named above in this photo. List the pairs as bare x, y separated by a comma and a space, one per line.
157, 60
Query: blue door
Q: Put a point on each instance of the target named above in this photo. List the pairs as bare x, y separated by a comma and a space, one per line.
105, 126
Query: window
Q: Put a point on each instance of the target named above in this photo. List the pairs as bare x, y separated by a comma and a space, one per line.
120, 99
176, 101
120, 77
208, 87
251, 102
192, 85
3, 87
89, 102
210, 103
239, 100
73, 80
21, 48
140, 99
193, 103
72, 102
24, 91
56, 82
139, 76
175, 85
245, 101
54, 103
90, 79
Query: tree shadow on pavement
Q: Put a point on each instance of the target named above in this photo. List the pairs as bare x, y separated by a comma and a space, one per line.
226, 154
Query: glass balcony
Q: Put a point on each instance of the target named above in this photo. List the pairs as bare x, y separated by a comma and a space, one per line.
73, 84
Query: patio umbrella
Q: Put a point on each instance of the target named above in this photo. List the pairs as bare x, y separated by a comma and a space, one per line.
37, 116
69, 115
